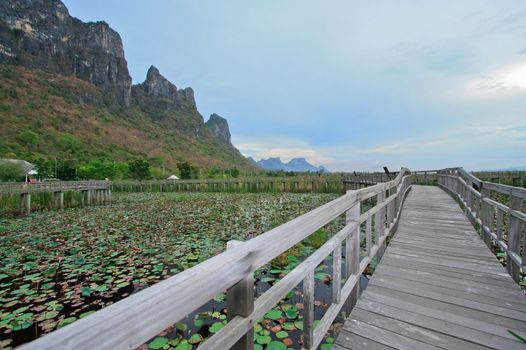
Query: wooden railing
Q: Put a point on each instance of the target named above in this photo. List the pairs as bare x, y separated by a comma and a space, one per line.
499, 224
134, 320
57, 186
420, 177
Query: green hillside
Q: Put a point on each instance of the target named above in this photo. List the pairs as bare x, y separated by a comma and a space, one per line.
52, 117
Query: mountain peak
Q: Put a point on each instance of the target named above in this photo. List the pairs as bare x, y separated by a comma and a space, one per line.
156, 85
152, 73
219, 127
295, 164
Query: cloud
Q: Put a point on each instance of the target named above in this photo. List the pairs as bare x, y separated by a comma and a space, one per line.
509, 79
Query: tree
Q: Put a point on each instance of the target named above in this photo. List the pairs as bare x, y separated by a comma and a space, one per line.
214, 172
67, 169
11, 172
185, 170
234, 172
28, 138
101, 169
139, 169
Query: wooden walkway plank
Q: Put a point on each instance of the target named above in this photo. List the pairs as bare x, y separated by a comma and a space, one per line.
437, 286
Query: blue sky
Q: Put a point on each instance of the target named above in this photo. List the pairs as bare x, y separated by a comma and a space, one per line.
352, 85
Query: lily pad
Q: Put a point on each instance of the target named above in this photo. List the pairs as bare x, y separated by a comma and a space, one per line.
158, 343
274, 314
216, 327
276, 345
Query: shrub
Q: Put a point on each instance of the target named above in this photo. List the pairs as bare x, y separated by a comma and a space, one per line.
28, 137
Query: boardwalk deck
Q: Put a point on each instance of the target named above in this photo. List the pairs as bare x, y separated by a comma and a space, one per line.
437, 287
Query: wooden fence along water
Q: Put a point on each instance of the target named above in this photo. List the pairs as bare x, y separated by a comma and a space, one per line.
501, 226
326, 184
91, 192
134, 320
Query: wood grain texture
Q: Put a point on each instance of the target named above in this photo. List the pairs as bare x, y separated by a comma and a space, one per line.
437, 286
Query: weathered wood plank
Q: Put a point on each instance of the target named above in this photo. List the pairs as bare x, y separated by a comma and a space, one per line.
437, 285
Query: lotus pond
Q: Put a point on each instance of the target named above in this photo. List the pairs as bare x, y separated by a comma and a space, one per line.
57, 267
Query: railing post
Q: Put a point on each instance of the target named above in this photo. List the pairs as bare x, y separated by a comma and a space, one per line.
308, 311
368, 238
337, 274
352, 255
25, 203
240, 302
485, 216
379, 221
514, 232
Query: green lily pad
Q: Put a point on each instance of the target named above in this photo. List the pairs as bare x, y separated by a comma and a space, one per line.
263, 339
274, 314
216, 327
289, 326
158, 343
181, 326
101, 288
66, 321
282, 334
195, 339
276, 345
184, 345
291, 314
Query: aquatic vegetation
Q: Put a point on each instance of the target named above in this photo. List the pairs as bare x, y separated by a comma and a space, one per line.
57, 267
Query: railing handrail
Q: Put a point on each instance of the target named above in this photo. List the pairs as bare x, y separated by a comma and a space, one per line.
28, 187
489, 215
135, 319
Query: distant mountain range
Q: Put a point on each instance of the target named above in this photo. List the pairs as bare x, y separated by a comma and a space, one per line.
295, 164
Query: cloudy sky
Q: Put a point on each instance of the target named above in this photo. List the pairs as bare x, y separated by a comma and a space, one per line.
352, 85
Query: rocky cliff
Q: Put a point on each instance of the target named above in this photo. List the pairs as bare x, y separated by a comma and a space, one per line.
158, 86
46, 43
41, 34
219, 127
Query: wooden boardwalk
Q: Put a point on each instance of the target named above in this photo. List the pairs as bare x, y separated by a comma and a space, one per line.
438, 286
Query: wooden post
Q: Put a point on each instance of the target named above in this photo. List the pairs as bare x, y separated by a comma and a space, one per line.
379, 221
308, 311
368, 238
25, 203
514, 232
58, 200
240, 302
352, 255
485, 216
336, 274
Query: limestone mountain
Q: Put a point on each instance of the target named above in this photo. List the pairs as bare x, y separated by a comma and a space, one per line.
219, 127
41, 34
64, 79
295, 164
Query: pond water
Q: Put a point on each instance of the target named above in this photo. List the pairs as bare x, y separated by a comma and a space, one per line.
57, 267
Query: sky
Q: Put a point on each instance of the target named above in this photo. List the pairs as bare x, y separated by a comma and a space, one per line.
352, 85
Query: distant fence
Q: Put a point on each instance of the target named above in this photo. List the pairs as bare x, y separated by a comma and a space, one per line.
51, 194
318, 184
511, 178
